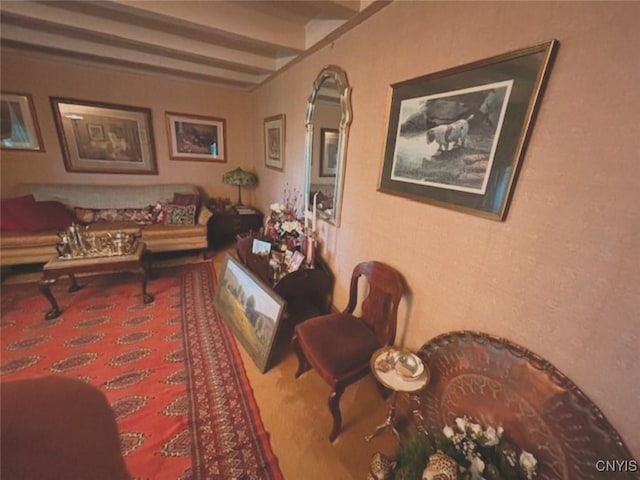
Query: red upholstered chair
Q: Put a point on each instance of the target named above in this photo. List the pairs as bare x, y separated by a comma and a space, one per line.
339, 346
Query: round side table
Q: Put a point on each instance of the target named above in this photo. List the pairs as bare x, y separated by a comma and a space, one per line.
384, 365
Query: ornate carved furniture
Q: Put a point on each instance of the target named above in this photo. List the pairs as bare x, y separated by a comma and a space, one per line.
138, 261
498, 383
339, 346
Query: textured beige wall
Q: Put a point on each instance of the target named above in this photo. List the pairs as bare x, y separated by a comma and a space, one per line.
561, 275
44, 78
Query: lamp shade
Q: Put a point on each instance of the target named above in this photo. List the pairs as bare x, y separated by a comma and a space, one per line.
240, 178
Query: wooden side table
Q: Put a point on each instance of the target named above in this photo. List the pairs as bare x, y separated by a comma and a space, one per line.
139, 261
384, 365
223, 227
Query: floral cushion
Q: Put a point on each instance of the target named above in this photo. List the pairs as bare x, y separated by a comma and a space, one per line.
181, 214
142, 216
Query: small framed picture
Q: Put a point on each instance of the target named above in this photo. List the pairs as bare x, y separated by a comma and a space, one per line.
296, 261
96, 131
260, 247
328, 152
274, 142
196, 137
20, 130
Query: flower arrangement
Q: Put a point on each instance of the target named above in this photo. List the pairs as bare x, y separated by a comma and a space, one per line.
477, 453
284, 223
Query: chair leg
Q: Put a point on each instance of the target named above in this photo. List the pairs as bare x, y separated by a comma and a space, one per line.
303, 363
334, 408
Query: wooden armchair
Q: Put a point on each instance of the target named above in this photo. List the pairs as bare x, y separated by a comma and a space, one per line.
339, 345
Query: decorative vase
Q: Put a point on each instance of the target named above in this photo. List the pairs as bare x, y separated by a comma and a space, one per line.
440, 467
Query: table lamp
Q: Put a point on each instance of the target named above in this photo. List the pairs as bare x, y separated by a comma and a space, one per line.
240, 178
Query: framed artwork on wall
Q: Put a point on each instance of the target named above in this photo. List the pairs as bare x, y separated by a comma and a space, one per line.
20, 130
456, 138
104, 138
250, 308
328, 152
196, 137
274, 142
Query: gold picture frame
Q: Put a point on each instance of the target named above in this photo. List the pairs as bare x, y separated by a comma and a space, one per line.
274, 141
99, 137
456, 138
197, 138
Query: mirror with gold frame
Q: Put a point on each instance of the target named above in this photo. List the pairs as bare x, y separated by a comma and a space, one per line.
327, 131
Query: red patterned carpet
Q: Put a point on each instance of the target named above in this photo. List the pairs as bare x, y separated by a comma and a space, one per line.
171, 370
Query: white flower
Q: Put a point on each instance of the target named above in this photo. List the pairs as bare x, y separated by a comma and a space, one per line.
475, 429
500, 431
491, 437
290, 226
528, 463
448, 432
461, 423
476, 468
276, 207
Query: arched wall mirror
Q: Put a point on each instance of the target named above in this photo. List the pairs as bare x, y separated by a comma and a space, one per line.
327, 131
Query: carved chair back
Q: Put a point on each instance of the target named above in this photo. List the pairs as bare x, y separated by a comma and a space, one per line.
379, 309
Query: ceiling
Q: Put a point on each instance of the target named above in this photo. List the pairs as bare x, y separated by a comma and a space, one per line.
239, 44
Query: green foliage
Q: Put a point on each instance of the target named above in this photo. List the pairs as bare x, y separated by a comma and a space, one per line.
413, 454
474, 449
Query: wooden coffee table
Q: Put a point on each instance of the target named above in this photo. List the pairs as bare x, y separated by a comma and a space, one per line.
138, 262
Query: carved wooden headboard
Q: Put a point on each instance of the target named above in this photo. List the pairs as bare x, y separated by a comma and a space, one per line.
498, 383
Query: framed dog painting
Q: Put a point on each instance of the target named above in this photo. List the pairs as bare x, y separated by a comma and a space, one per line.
456, 138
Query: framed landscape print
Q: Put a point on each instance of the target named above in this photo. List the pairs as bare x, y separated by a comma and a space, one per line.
274, 142
196, 137
328, 152
456, 138
250, 308
104, 138
20, 130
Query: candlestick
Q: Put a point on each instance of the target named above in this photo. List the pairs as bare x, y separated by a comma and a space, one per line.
310, 252
313, 220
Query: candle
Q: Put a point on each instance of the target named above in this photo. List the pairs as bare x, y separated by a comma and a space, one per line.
315, 200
